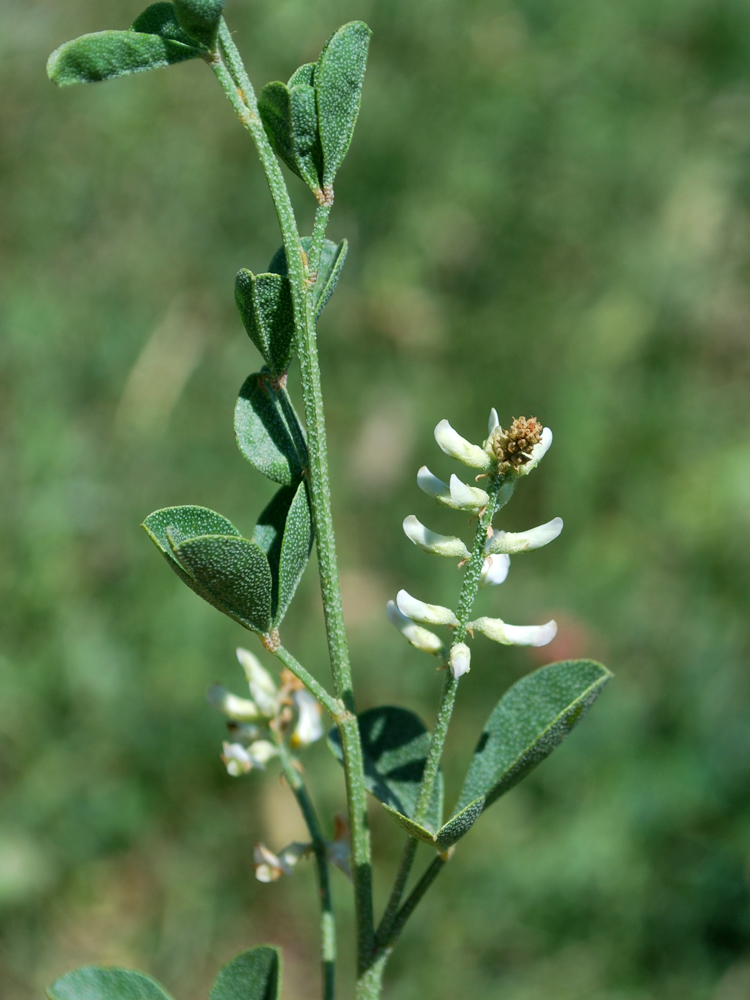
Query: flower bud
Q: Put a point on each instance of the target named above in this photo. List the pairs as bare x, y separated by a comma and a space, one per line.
427, 614
420, 638
510, 542
241, 760
494, 571
438, 545
467, 497
459, 448
460, 659
269, 866
262, 687
309, 726
515, 635
237, 709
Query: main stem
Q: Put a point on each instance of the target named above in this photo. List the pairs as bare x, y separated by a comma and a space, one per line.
327, 919
230, 71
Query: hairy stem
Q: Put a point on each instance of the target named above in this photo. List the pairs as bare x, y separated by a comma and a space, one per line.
230, 71
327, 919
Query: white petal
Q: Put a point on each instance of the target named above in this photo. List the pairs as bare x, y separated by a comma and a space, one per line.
438, 545
262, 686
268, 866
261, 752
459, 448
467, 497
427, 614
237, 709
236, 759
291, 855
419, 637
537, 452
460, 659
431, 485
494, 571
515, 635
309, 726
493, 422
524, 541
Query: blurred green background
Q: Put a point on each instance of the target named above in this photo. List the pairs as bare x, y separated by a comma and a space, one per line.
548, 204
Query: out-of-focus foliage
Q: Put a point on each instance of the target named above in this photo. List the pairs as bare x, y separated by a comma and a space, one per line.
548, 209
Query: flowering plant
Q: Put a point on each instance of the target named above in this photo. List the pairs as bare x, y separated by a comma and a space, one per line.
386, 751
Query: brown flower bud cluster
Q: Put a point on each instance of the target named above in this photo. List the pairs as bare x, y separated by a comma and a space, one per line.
512, 448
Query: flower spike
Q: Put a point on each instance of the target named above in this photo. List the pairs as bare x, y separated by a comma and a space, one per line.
515, 635
426, 614
457, 447
438, 545
420, 638
510, 542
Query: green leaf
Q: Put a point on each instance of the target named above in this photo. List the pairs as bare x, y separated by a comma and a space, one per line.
290, 116
268, 433
234, 573
161, 19
96, 983
395, 743
339, 75
105, 55
265, 305
529, 721
332, 259
253, 975
200, 18
285, 533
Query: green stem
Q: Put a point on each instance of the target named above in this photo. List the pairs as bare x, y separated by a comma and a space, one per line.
399, 884
415, 898
327, 700
327, 919
230, 71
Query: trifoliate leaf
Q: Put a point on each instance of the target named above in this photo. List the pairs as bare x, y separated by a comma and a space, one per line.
338, 79
265, 305
285, 533
268, 432
252, 975
96, 983
395, 744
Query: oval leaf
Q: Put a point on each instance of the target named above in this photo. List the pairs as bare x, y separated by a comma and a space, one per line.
529, 721
338, 79
181, 523
96, 983
290, 116
332, 259
234, 572
395, 743
268, 433
265, 305
200, 18
105, 55
253, 975
285, 533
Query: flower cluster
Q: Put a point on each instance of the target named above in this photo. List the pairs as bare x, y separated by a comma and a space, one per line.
269, 866
259, 722
505, 455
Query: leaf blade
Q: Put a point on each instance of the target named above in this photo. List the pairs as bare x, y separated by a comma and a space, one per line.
105, 55
265, 305
94, 982
252, 975
264, 431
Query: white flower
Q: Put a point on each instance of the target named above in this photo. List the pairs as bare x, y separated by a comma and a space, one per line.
439, 545
269, 866
510, 542
515, 635
241, 760
459, 448
460, 659
537, 453
419, 637
237, 709
494, 570
262, 687
433, 486
467, 497
309, 726
426, 614
493, 422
